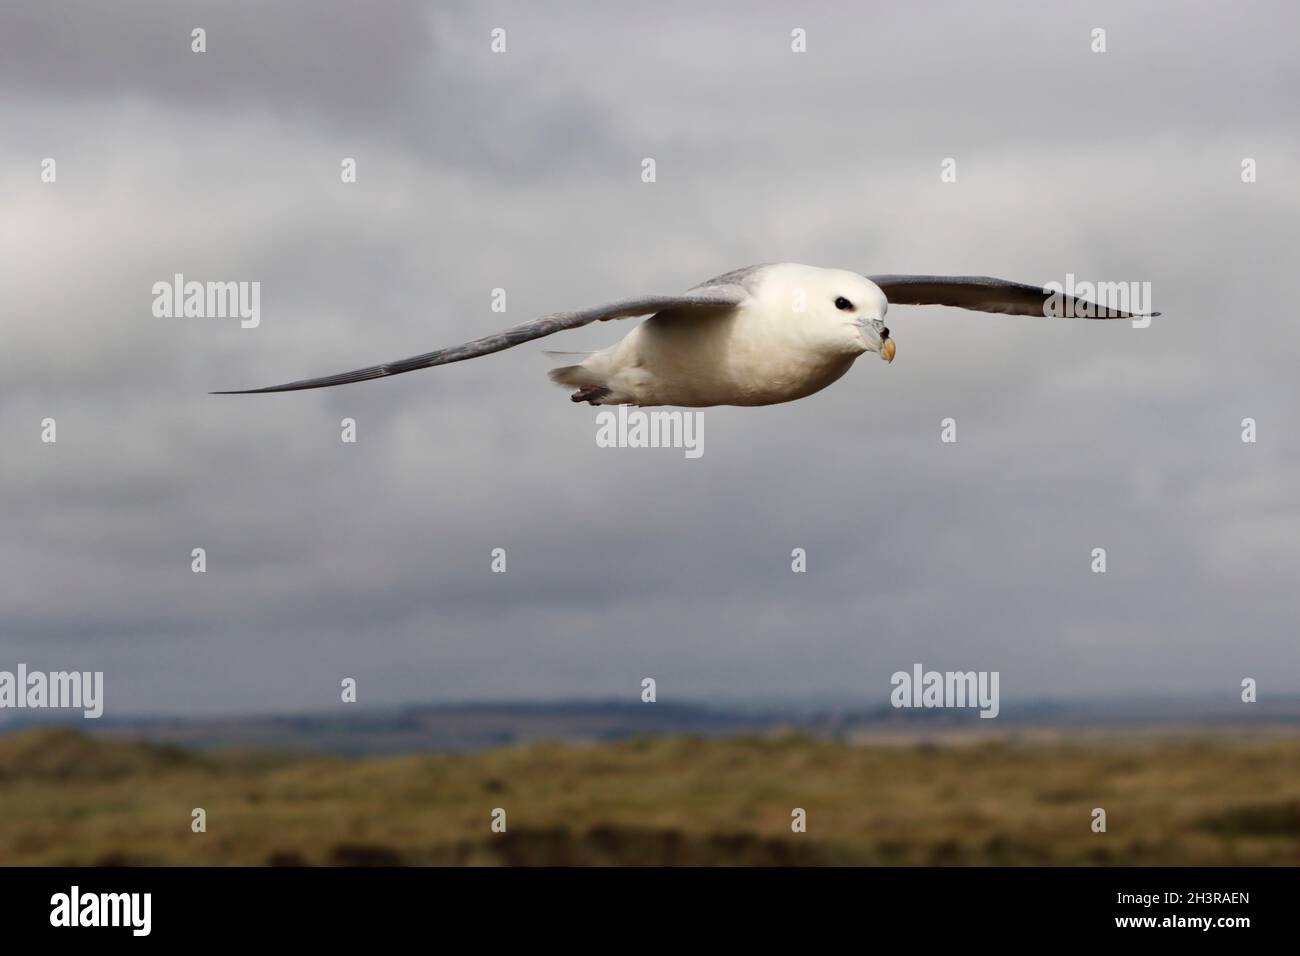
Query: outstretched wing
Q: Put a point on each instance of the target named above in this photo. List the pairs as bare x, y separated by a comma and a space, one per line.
984, 294
706, 298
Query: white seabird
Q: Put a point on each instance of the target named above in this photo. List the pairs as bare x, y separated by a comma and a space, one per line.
756, 336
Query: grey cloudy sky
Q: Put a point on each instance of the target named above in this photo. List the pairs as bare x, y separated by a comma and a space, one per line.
522, 171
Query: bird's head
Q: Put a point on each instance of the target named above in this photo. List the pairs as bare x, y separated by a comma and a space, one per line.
850, 309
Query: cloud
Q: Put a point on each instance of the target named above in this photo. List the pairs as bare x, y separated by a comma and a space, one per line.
521, 171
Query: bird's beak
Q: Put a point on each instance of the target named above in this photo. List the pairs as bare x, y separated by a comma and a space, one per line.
878, 336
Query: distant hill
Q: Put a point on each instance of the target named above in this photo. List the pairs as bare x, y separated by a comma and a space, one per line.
354, 730
64, 755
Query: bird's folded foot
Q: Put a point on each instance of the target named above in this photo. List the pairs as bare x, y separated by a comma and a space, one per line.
591, 394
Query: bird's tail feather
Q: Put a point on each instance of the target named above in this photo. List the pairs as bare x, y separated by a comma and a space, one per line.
574, 376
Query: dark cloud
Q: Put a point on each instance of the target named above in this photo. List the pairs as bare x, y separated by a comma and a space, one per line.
522, 171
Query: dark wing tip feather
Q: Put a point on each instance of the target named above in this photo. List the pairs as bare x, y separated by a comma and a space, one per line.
344, 378
988, 294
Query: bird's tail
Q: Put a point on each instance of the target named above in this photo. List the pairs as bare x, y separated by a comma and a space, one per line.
574, 376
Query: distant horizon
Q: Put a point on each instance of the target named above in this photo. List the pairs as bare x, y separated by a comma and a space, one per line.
1186, 702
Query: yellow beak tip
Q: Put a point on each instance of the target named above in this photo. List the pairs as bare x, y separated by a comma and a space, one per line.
888, 350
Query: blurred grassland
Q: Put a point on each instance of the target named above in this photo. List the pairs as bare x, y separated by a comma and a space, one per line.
69, 799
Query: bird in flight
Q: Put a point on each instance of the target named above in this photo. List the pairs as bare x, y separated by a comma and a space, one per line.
757, 336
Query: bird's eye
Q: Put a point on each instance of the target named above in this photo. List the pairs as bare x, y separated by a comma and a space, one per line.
843, 304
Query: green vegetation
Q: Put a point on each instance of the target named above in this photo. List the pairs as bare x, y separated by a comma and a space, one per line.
69, 799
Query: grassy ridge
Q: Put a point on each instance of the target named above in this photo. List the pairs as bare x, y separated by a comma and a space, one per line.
68, 799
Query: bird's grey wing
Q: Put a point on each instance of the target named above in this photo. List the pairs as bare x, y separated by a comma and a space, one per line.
984, 294
749, 278
705, 299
